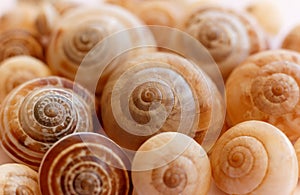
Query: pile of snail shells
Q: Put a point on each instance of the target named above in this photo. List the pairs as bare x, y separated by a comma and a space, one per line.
154, 122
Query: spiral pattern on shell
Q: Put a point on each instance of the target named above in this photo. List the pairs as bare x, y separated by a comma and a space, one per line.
183, 171
245, 160
19, 69
266, 87
229, 36
40, 112
18, 179
158, 92
20, 42
72, 41
89, 164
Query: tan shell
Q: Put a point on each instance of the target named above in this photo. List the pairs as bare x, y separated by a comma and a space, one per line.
292, 39
229, 36
18, 179
19, 69
159, 92
297, 149
159, 167
38, 113
71, 41
85, 163
266, 87
252, 158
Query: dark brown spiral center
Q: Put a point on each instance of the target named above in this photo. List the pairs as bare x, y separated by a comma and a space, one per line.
174, 177
87, 183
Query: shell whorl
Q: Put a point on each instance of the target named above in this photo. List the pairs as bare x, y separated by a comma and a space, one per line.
71, 42
19, 69
183, 170
266, 87
18, 179
229, 36
40, 112
245, 160
89, 164
154, 93
20, 42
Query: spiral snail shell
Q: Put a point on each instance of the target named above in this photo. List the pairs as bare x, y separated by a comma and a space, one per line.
158, 92
251, 158
85, 163
71, 41
266, 87
19, 69
178, 171
38, 113
18, 179
229, 36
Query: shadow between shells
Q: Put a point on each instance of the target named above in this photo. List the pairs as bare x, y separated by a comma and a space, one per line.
116, 49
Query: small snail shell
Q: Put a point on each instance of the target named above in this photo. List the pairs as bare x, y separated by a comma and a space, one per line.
266, 87
72, 41
158, 92
229, 36
251, 158
19, 69
85, 163
292, 39
18, 179
15, 42
38, 113
177, 172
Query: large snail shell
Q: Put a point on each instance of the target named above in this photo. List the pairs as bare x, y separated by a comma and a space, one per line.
85, 163
19, 69
15, 42
18, 179
71, 41
38, 113
160, 168
228, 35
266, 87
252, 158
159, 92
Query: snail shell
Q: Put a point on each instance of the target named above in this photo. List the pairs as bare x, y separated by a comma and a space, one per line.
72, 41
162, 168
292, 39
85, 163
266, 87
251, 158
19, 69
229, 36
15, 42
38, 113
158, 92
18, 179
297, 149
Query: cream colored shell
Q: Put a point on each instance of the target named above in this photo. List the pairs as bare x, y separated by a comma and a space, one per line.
18, 179
230, 36
19, 69
160, 92
252, 158
38, 113
171, 163
266, 87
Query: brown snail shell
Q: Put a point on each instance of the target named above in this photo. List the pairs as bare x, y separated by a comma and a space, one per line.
18, 179
183, 171
251, 158
38, 113
266, 87
19, 69
71, 42
292, 39
89, 164
159, 92
230, 36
